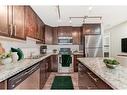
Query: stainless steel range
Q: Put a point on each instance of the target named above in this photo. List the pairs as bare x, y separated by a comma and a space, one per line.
65, 61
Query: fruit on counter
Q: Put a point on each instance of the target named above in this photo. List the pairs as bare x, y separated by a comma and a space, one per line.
2, 50
110, 61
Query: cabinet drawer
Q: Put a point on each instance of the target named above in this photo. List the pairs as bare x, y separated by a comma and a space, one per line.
98, 82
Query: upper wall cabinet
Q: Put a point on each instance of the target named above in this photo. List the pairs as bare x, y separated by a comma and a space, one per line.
12, 21
55, 35
76, 35
30, 22
4, 20
40, 30
92, 28
65, 31
48, 35
18, 22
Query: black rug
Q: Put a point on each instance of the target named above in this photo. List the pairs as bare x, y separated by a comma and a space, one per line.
62, 82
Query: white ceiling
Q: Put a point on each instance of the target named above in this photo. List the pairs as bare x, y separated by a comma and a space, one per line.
111, 15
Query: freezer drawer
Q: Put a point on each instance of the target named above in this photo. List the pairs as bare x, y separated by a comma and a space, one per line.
94, 52
93, 41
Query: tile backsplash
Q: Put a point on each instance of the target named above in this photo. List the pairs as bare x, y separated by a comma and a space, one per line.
27, 46
30, 45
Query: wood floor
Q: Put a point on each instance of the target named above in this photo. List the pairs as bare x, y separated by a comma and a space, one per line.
49, 82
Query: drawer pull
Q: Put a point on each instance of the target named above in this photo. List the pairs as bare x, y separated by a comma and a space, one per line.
90, 87
95, 79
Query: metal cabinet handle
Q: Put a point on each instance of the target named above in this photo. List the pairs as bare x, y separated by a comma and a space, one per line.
15, 29
95, 79
18, 81
11, 29
90, 87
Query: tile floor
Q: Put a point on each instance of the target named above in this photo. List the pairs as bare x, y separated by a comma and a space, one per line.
49, 82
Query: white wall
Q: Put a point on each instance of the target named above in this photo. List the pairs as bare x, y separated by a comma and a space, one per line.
116, 33
27, 46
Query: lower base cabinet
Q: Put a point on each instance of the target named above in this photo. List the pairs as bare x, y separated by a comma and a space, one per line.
76, 62
45, 70
54, 64
88, 80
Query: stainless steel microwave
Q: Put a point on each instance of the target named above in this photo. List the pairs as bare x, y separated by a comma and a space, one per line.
65, 40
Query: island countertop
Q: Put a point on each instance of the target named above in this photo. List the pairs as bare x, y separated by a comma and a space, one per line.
116, 78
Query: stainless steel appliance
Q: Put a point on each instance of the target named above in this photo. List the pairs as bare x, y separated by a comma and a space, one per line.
27, 79
93, 46
65, 40
43, 49
61, 69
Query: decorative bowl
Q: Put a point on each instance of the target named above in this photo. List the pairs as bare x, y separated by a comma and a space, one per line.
111, 63
111, 66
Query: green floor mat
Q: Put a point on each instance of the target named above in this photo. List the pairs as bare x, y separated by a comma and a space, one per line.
62, 82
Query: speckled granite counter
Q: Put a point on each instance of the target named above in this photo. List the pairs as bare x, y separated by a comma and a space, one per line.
11, 69
116, 78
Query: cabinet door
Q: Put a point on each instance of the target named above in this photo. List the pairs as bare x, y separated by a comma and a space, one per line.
76, 35
4, 20
54, 63
30, 22
18, 22
55, 35
84, 80
65, 31
48, 35
42, 74
92, 29
76, 62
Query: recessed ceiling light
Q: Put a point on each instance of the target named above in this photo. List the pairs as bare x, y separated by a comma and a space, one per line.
90, 8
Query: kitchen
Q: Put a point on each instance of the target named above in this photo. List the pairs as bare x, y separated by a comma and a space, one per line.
36, 55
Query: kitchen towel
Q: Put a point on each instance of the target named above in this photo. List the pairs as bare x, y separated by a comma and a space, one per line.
66, 60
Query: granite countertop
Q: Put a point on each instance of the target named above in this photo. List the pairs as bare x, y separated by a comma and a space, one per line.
116, 78
77, 53
11, 69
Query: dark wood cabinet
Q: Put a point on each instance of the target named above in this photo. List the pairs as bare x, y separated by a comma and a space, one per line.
45, 70
76, 35
88, 80
48, 35
4, 21
54, 64
40, 30
42, 74
84, 81
76, 62
92, 28
12, 21
30, 22
55, 35
65, 31
18, 22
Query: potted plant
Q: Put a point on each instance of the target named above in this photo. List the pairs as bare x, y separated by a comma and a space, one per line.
6, 58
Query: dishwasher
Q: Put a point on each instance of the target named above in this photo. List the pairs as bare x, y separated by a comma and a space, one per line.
27, 79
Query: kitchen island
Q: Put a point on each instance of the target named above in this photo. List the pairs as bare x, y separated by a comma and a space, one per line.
114, 78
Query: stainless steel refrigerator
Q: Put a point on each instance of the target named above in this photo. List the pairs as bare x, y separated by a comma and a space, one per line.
92, 46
